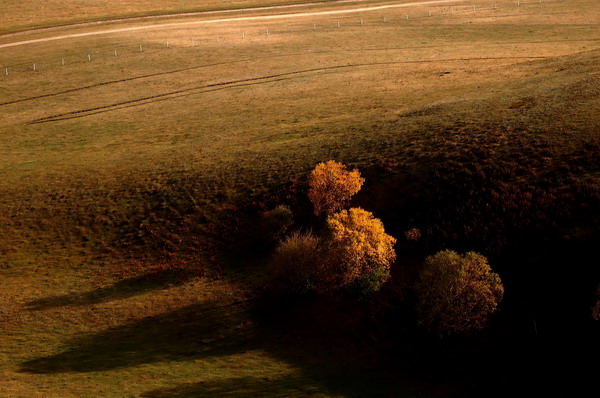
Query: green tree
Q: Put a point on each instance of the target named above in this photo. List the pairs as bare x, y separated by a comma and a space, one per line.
457, 293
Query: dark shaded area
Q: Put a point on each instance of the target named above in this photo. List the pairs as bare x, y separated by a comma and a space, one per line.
198, 331
529, 201
238, 387
350, 385
118, 291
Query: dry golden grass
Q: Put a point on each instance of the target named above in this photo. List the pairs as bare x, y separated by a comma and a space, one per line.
21, 15
93, 150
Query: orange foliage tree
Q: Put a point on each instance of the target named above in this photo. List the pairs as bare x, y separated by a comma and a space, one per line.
457, 293
332, 187
358, 251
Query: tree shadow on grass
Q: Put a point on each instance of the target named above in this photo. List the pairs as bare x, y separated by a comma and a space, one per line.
196, 331
122, 289
288, 386
219, 329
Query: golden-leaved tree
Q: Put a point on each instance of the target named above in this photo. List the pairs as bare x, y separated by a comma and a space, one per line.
457, 293
358, 251
332, 187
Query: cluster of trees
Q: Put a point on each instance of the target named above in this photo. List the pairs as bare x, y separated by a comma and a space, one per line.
455, 293
353, 250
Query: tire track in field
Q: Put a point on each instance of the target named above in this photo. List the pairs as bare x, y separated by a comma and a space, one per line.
129, 79
240, 83
150, 75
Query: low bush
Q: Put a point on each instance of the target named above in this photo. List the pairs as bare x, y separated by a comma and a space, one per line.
296, 264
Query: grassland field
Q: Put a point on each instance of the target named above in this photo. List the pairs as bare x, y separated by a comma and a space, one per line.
111, 163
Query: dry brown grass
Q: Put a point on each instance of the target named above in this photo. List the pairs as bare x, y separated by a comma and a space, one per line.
19, 15
130, 148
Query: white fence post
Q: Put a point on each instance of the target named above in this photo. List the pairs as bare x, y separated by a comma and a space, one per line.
62, 61
89, 57
34, 67
6, 71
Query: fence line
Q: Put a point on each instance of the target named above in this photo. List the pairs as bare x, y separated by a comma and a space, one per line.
127, 48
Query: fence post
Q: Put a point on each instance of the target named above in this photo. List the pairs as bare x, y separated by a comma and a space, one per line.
34, 67
62, 61
406, 17
361, 22
429, 13
338, 24
168, 45
384, 19
89, 57
141, 49
6, 71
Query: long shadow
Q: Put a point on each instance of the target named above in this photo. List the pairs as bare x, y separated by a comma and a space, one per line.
323, 365
237, 387
288, 386
196, 331
216, 329
120, 290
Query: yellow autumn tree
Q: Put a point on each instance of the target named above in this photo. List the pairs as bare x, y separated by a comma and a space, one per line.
457, 293
332, 187
358, 251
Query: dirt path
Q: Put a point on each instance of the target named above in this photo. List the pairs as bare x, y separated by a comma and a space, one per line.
224, 20
178, 14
